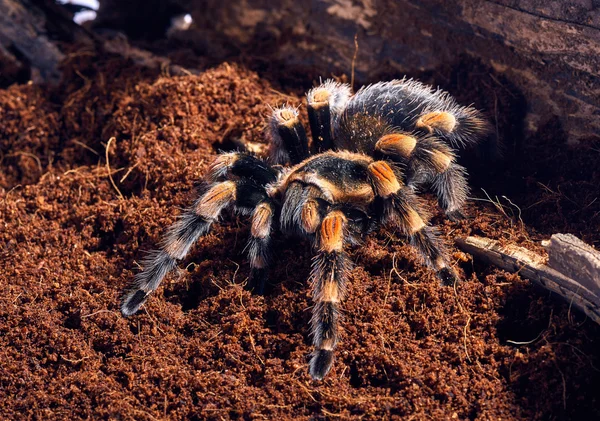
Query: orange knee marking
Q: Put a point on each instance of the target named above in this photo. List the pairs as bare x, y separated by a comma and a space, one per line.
332, 232
328, 344
383, 178
214, 199
261, 221
221, 164
414, 221
331, 292
310, 216
397, 144
441, 161
175, 248
440, 120
439, 263
286, 116
319, 98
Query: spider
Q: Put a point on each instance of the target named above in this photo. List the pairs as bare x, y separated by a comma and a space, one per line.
371, 153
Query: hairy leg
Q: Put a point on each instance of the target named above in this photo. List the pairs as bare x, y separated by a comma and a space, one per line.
457, 125
331, 268
429, 161
259, 245
241, 165
326, 104
181, 236
401, 208
288, 137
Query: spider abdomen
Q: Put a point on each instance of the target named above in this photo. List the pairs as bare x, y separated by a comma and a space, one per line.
360, 131
406, 105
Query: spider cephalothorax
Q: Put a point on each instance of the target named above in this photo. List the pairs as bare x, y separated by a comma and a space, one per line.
345, 184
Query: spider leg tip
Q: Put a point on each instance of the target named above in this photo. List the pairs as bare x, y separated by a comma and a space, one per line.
448, 276
132, 302
456, 215
320, 363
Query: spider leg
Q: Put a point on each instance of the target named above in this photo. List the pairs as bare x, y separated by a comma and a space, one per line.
181, 236
401, 208
309, 213
248, 167
259, 245
289, 141
240, 165
302, 209
451, 188
326, 104
331, 268
429, 161
442, 121
459, 126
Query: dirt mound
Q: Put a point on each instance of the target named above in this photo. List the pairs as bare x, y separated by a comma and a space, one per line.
74, 224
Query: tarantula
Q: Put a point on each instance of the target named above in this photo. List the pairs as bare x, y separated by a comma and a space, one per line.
370, 153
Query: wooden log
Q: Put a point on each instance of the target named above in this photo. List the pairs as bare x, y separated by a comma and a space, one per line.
30, 35
578, 284
33, 33
574, 259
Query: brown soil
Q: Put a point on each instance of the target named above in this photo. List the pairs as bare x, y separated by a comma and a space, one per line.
74, 224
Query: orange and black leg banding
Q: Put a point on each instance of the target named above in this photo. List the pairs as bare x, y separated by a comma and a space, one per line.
310, 210
397, 145
403, 210
423, 154
430, 162
442, 121
319, 117
331, 234
302, 209
210, 205
259, 245
435, 162
383, 178
181, 236
459, 126
325, 104
309, 216
440, 160
329, 276
290, 144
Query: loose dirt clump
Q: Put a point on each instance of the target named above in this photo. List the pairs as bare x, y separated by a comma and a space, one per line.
29, 134
93, 172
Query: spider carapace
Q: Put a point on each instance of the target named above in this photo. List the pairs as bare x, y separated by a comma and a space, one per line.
371, 153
